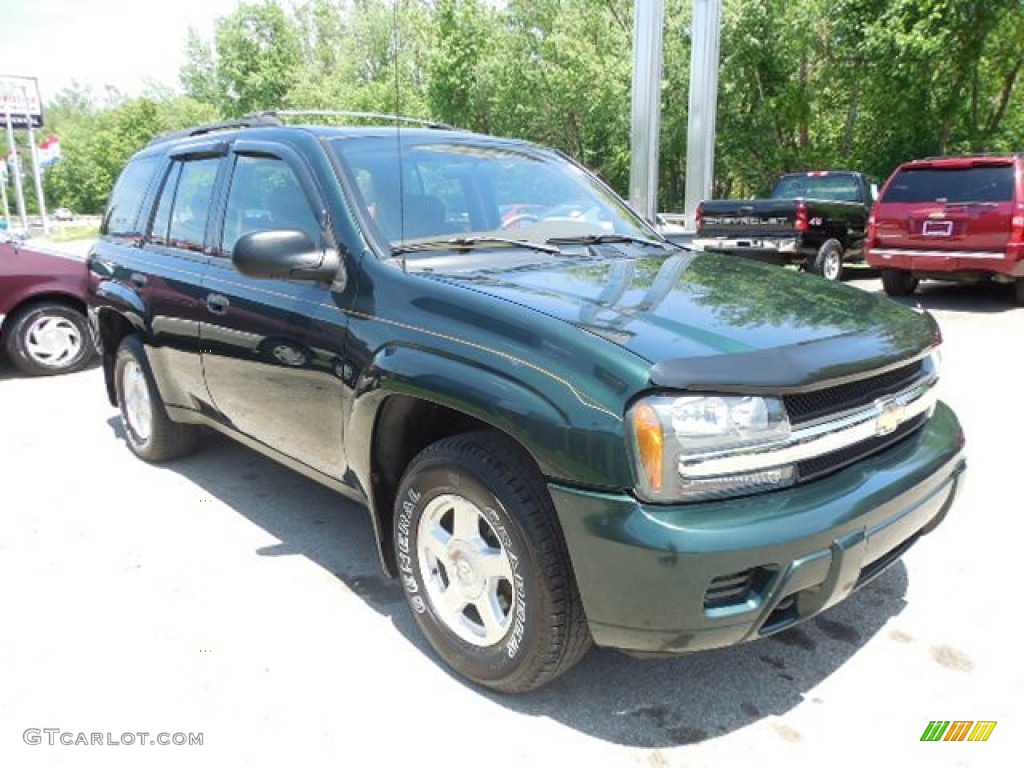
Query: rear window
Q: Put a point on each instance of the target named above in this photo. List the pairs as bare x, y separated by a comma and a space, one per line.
830, 187
989, 184
126, 200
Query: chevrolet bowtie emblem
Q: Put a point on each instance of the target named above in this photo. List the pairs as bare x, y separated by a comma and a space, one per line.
892, 415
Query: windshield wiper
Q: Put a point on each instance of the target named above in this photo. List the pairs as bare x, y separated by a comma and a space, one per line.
611, 238
466, 243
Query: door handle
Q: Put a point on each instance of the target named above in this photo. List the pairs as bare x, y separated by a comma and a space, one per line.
138, 279
217, 304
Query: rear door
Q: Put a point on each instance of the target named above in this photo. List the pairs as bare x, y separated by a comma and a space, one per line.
273, 348
962, 206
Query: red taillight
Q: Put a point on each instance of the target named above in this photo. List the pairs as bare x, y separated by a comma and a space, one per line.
1017, 230
872, 231
801, 217
700, 216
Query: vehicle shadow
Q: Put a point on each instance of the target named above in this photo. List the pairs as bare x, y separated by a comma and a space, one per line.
650, 703
8, 370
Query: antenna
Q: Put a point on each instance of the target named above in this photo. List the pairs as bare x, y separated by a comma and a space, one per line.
398, 130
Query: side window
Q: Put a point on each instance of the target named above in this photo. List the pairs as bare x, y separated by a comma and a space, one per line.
193, 198
265, 194
122, 215
162, 220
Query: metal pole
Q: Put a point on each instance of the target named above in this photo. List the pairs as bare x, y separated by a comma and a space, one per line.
648, 20
40, 198
19, 193
3, 192
700, 134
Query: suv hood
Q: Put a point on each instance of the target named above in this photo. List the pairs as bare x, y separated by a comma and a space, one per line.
706, 321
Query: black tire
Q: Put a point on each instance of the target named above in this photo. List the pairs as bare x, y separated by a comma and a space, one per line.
898, 282
538, 628
1018, 288
828, 262
49, 338
153, 436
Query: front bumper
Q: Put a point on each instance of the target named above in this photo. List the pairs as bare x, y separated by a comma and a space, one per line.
675, 579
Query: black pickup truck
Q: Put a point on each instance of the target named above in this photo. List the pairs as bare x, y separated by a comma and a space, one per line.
816, 220
565, 429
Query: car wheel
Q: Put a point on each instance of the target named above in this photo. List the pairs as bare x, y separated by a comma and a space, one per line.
897, 282
44, 339
484, 566
1018, 288
150, 433
829, 260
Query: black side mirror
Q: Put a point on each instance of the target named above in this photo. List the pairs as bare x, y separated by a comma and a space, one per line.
284, 253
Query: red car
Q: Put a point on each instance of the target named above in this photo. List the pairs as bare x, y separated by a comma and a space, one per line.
43, 323
959, 219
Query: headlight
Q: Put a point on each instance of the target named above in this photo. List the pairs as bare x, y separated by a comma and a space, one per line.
671, 436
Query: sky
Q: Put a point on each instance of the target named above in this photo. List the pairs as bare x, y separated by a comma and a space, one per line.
123, 43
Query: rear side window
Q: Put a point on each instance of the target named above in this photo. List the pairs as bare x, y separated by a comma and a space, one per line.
122, 217
185, 202
988, 184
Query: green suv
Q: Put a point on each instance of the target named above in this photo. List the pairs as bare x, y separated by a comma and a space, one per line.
567, 431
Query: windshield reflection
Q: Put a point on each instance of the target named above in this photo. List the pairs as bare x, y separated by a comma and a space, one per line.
455, 188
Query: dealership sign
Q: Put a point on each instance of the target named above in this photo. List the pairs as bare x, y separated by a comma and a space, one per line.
19, 98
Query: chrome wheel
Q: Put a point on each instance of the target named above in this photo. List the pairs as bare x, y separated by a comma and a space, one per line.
832, 266
289, 355
53, 341
137, 405
466, 570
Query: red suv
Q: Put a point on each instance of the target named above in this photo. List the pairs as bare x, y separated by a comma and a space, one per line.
950, 218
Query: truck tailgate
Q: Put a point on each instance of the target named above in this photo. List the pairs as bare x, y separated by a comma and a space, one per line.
746, 218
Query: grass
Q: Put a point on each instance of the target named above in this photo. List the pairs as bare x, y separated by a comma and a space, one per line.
74, 233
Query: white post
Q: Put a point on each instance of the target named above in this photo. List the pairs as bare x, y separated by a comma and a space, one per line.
40, 198
16, 170
3, 192
648, 20
700, 134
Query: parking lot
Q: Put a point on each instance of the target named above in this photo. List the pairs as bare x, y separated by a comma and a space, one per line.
226, 595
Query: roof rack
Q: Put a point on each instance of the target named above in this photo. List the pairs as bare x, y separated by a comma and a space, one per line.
254, 120
970, 154
364, 115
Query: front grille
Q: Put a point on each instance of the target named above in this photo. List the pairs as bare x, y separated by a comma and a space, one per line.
808, 406
810, 469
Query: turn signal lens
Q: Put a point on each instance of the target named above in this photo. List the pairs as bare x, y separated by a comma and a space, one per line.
650, 443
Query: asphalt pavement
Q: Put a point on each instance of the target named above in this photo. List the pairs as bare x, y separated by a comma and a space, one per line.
227, 596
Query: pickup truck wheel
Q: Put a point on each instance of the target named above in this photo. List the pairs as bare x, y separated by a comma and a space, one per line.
484, 566
150, 434
829, 261
898, 282
44, 339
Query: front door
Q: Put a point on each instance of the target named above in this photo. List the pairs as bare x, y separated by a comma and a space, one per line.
273, 370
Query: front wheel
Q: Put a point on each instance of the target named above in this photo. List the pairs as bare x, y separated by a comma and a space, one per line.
484, 566
897, 282
150, 433
829, 260
44, 339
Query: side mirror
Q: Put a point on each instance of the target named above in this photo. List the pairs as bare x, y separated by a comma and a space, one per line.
283, 253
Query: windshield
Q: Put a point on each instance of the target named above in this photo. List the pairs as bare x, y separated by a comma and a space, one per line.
453, 189
842, 187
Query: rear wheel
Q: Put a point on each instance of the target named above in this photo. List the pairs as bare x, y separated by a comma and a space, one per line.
897, 282
484, 566
151, 435
829, 260
44, 339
